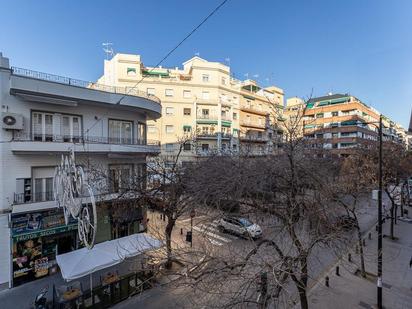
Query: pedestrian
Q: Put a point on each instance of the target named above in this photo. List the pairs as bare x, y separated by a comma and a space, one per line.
410, 263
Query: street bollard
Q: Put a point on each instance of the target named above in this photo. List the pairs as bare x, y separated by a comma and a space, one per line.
364, 242
181, 231
327, 281
370, 236
349, 257
337, 271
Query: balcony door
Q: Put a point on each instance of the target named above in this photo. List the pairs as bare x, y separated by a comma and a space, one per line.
141, 133
120, 131
120, 177
42, 127
71, 128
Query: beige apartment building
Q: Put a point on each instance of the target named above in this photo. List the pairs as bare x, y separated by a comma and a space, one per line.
203, 105
340, 122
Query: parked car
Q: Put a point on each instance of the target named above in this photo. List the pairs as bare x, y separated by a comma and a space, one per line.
240, 226
346, 222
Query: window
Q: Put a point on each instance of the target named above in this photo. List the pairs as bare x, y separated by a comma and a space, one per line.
131, 71
205, 95
170, 111
151, 91
120, 132
70, 128
205, 147
120, 177
259, 134
205, 78
187, 94
223, 80
334, 125
319, 115
187, 146
234, 116
335, 114
169, 146
169, 129
187, 129
335, 135
319, 135
169, 92
141, 133
187, 111
42, 127
205, 113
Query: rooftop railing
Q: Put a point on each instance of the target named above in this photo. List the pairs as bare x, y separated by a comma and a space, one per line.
83, 84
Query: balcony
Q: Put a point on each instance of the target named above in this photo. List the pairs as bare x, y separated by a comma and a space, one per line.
254, 138
213, 135
26, 144
54, 89
252, 124
253, 110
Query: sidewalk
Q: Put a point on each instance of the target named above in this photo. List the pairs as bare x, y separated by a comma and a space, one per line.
351, 291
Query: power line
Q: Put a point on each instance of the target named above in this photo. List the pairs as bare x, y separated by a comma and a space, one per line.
177, 46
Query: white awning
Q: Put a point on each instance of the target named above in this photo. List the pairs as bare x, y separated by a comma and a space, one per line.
82, 262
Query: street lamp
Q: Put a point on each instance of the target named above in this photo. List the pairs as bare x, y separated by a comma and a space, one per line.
379, 281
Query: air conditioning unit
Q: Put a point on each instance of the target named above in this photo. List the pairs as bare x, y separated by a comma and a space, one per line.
10, 121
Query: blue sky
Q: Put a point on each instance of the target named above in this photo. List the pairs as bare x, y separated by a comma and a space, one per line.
363, 47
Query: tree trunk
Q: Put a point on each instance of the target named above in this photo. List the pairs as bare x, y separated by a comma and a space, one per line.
361, 255
168, 232
392, 221
303, 298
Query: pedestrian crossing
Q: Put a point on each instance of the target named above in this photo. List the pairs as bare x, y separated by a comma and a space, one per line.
211, 233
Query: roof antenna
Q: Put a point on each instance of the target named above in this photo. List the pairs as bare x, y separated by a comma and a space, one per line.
108, 49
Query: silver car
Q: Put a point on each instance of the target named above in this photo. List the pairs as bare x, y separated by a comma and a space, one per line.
240, 226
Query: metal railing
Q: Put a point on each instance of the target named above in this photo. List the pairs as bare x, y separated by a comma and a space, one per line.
83, 139
207, 117
23, 198
83, 84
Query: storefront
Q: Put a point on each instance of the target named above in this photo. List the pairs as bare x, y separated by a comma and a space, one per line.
36, 240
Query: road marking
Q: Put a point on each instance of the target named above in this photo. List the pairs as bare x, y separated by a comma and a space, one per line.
207, 232
187, 220
214, 242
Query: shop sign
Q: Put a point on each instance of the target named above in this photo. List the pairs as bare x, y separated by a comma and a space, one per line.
42, 233
32, 222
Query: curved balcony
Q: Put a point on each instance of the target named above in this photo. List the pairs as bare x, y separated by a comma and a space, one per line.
26, 144
54, 89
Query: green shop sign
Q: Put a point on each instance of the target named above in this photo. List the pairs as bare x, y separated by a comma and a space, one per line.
47, 232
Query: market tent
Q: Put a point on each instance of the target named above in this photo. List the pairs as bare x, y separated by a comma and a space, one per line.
82, 262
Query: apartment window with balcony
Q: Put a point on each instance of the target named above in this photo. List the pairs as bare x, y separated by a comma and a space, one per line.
205, 78
205, 147
151, 91
335, 114
71, 128
187, 94
234, 116
187, 129
205, 95
169, 92
319, 135
169, 129
120, 131
169, 147
187, 111
223, 114
259, 134
170, 111
120, 176
205, 113
187, 146
42, 128
141, 133
319, 115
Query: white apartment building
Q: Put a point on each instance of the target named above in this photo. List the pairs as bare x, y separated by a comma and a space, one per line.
42, 117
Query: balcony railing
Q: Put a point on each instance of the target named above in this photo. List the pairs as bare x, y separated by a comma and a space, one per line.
83, 84
83, 139
24, 198
252, 124
206, 117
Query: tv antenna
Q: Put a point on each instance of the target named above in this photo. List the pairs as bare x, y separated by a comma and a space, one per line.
108, 49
